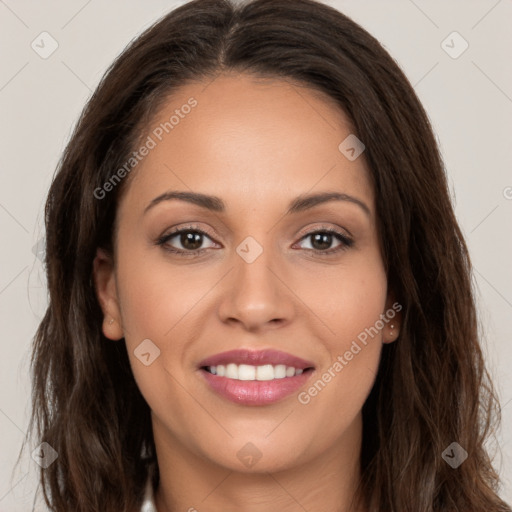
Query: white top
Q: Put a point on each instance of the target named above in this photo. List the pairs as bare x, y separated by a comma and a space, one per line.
148, 505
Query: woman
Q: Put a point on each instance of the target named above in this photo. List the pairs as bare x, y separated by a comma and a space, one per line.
260, 298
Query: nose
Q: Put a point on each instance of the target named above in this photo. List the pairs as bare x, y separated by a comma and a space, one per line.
256, 295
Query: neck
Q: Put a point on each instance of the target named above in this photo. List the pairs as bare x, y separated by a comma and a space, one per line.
326, 483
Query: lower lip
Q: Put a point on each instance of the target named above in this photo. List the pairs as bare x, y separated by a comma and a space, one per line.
256, 392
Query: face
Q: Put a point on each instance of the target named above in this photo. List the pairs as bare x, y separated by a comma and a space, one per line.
292, 286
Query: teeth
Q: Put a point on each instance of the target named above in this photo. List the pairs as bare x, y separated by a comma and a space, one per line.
280, 371
232, 371
249, 372
246, 372
265, 372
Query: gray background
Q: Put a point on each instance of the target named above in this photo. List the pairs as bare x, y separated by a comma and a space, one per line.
468, 98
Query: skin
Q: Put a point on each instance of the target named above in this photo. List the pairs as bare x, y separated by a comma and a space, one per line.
257, 144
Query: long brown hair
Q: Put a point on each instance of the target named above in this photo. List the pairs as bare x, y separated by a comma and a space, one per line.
432, 386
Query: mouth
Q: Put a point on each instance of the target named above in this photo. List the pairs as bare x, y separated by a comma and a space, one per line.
255, 377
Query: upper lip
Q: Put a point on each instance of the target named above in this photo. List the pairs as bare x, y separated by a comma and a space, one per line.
256, 358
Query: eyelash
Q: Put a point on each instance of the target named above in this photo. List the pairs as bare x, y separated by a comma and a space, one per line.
346, 242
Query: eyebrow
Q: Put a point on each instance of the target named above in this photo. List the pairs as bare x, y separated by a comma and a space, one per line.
216, 204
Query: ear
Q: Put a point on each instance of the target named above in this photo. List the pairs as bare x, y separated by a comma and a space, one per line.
392, 319
106, 291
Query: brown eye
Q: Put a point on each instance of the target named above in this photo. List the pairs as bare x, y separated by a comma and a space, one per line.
191, 240
322, 240
186, 241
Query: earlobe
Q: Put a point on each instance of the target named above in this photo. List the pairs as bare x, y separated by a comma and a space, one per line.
106, 291
392, 333
393, 315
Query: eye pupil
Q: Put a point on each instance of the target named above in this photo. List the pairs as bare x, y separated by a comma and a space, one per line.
322, 241
195, 240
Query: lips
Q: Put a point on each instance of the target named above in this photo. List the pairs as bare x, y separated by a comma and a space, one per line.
249, 377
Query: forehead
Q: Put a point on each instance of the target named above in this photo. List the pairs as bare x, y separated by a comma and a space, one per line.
248, 138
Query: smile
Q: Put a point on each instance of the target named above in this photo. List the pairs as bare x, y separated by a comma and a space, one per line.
272, 376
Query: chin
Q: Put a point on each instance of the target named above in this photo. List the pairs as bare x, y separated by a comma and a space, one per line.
257, 455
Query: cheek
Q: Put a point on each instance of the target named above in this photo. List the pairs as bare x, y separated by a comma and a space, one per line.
350, 303
155, 295
348, 298
156, 304
159, 303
